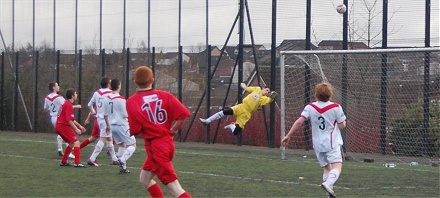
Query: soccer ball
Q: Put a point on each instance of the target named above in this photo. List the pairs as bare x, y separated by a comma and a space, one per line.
341, 8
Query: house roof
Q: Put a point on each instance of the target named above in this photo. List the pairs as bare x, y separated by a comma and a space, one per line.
294, 44
338, 43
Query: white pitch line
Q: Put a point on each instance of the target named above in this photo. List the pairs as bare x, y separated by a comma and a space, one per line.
239, 178
235, 177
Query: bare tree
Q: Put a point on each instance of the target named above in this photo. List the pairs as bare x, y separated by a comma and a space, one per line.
362, 24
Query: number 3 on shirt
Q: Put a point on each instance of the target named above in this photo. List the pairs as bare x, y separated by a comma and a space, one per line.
156, 115
322, 122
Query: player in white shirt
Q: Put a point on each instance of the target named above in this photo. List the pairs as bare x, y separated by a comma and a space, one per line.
116, 118
104, 132
326, 119
52, 104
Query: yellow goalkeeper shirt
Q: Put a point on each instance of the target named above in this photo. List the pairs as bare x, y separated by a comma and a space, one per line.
250, 104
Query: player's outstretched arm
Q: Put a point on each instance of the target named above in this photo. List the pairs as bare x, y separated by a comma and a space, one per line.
298, 123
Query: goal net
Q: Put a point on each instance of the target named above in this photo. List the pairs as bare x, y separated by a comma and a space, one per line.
391, 102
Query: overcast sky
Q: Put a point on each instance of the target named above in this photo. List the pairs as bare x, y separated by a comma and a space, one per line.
406, 25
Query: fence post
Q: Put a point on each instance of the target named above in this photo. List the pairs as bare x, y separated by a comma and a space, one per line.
35, 110
80, 57
14, 107
127, 74
2, 93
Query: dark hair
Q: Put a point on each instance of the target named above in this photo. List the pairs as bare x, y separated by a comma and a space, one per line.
104, 82
115, 84
51, 85
69, 93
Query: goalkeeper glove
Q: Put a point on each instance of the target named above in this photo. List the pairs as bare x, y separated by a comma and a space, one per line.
273, 95
243, 85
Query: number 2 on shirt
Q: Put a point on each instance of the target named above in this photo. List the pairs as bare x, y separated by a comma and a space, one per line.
155, 112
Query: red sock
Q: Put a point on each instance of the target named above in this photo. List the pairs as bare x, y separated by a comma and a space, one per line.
84, 143
67, 151
155, 191
185, 195
77, 153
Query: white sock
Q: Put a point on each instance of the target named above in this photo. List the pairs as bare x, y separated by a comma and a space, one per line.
128, 153
324, 177
111, 149
121, 151
98, 149
216, 116
333, 176
59, 143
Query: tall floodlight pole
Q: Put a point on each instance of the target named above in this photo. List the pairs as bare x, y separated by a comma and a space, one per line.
426, 82
240, 61
33, 29
35, 95
384, 79
148, 34
76, 43
273, 72
13, 25
124, 25
180, 24
344, 69
207, 23
54, 35
100, 25
307, 89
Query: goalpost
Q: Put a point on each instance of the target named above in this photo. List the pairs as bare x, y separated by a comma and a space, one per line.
391, 98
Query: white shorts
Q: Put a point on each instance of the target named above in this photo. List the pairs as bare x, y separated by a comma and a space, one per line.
102, 126
330, 157
53, 119
121, 134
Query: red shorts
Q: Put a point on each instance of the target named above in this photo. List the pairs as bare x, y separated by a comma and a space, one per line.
160, 153
66, 132
95, 131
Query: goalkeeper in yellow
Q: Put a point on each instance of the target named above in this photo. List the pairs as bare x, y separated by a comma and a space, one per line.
243, 111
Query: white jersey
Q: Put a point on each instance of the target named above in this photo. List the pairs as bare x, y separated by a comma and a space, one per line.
53, 102
324, 118
114, 108
97, 100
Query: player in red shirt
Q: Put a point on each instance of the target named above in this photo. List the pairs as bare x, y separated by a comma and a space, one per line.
67, 126
157, 115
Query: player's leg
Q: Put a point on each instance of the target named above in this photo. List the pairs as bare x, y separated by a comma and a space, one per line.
67, 135
111, 149
334, 157
176, 189
218, 115
96, 151
146, 179
59, 142
93, 137
242, 117
101, 143
64, 161
71, 155
77, 152
59, 139
331, 170
162, 154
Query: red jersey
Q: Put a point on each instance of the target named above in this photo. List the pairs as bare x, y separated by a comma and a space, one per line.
65, 113
152, 112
